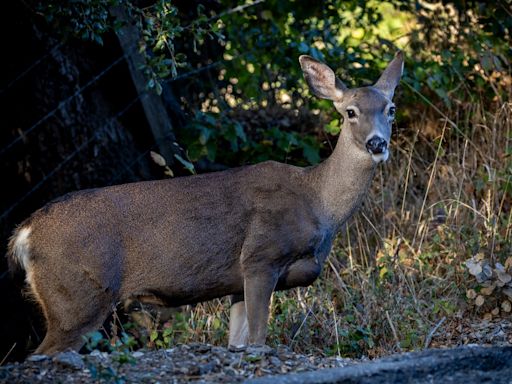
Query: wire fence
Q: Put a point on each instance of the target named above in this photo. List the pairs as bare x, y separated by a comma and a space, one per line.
69, 157
60, 105
29, 69
127, 168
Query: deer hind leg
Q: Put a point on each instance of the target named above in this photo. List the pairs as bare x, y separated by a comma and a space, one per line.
238, 327
72, 305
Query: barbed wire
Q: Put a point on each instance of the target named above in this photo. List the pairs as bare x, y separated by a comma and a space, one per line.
60, 105
29, 68
69, 157
82, 146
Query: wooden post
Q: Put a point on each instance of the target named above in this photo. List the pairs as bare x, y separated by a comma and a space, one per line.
154, 109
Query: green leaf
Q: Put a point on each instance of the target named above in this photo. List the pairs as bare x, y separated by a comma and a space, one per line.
239, 129
158, 88
187, 164
333, 128
311, 154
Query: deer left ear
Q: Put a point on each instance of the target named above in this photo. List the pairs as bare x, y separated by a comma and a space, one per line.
390, 78
321, 79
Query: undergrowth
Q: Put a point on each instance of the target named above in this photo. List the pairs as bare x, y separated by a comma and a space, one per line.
398, 274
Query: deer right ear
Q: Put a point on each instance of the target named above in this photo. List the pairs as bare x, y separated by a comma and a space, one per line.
390, 78
321, 79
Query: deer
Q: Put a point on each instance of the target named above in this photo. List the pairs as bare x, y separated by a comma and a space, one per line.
244, 232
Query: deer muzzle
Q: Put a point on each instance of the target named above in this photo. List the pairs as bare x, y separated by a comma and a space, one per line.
376, 145
378, 148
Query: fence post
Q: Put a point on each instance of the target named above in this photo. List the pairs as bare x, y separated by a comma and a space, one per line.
154, 109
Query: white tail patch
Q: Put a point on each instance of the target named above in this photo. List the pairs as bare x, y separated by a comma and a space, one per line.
21, 247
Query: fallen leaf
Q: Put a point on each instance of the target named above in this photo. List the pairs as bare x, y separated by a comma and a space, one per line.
504, 277
499, 267
471, 294
487, 270
508, 263
479, 301
474, 267
158, 159
495, 311
488, 290
506, 306
508, 292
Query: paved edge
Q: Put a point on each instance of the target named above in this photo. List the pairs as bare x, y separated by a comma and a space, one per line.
428, 365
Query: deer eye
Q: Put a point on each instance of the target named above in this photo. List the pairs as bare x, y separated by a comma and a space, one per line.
351, 113
392, 111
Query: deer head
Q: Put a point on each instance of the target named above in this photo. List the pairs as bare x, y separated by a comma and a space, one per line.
367, 112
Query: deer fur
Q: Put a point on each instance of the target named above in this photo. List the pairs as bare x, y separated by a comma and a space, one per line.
245, 232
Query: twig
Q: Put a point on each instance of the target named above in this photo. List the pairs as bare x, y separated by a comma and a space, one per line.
225, 13
394, 331
7, 355
336, 331
428, 339
301, 324
429, 185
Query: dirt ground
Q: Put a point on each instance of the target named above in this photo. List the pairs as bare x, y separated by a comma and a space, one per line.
214, 364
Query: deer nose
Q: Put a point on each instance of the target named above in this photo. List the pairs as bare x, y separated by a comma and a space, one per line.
376, 145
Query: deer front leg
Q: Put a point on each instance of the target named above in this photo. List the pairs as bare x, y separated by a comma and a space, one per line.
258, 289
301, 273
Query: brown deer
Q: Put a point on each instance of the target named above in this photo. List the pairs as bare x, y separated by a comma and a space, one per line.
245, 232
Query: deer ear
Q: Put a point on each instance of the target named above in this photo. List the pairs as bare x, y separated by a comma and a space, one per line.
321, 79
391, 76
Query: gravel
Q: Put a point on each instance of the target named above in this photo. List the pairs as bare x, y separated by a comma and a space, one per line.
200, 363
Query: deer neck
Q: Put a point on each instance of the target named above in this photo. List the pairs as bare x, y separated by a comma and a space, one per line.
343, 179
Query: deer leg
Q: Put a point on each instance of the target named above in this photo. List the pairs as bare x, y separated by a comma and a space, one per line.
58, 338
300, 274
70, 312
258, 289
238, 328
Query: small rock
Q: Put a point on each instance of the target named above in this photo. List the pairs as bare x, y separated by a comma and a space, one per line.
137, 354
237, 348
275, 361
260, 350
201, 348
207, 368
194, 370
101, 355
37, 358
70, 359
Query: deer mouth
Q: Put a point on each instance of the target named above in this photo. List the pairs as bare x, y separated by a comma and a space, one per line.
378, 148
380, 157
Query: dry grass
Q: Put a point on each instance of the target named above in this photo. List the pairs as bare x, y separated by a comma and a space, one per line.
395, 279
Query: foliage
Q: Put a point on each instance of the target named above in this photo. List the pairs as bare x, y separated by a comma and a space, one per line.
443, 198
88, 20
457, 53
235, 141
120, 348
